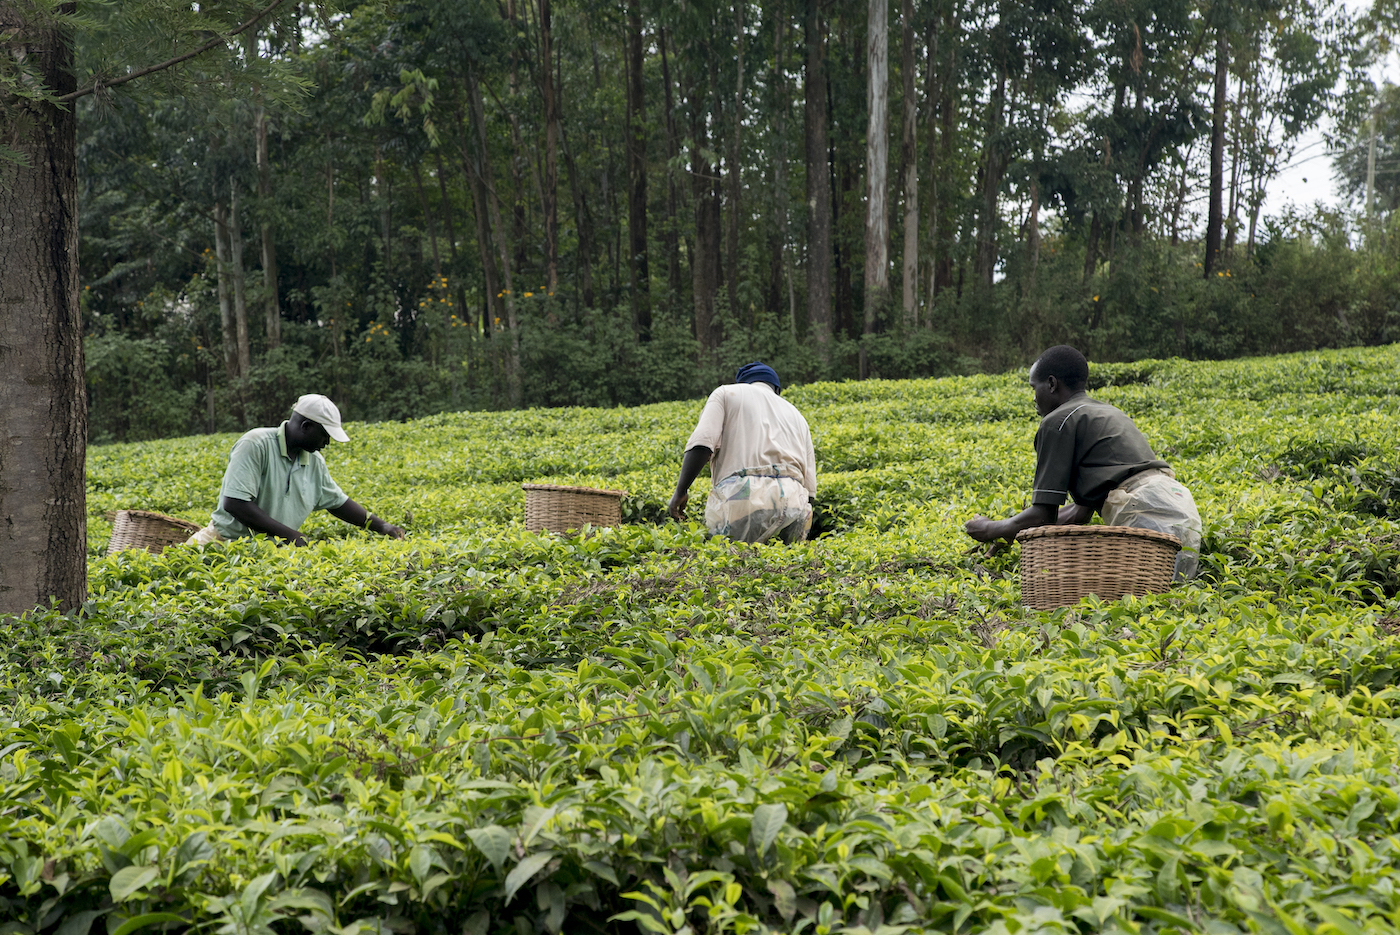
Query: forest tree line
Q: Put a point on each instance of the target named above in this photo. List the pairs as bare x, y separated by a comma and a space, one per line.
441, 204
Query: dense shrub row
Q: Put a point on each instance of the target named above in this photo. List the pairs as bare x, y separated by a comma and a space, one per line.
479, 729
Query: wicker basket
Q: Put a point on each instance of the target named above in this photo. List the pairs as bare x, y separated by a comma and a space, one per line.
142, 529
557, 509
1061, 564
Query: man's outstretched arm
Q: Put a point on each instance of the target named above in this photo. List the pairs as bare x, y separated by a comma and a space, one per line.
1037, 514
257, 519
695, 460
356, 515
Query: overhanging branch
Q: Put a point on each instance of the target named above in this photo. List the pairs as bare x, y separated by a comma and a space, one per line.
152, 69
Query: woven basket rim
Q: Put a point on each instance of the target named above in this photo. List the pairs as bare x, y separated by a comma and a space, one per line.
1131, 532
152, 514
566, 489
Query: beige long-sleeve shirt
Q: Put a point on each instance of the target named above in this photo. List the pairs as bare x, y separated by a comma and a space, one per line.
748, 425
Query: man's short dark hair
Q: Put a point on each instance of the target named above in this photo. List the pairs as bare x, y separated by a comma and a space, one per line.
1065, 364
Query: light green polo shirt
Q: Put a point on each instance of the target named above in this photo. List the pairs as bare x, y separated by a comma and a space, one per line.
288, 489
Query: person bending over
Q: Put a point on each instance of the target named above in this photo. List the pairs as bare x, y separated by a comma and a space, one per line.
759, 449
276, 477
1093, 452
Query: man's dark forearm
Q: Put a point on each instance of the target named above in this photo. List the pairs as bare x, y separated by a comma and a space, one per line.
1075, 514
694, 462
1037, 514
356, 515
257, 519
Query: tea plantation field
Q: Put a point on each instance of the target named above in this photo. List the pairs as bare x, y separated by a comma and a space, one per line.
479, 729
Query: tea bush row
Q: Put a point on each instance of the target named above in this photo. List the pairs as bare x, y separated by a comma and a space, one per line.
481, 729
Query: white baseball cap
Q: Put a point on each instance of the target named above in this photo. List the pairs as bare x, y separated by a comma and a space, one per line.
321, 410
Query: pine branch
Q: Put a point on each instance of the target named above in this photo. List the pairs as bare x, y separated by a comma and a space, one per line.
170, 63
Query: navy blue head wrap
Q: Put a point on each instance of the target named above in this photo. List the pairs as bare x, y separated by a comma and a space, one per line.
758, 372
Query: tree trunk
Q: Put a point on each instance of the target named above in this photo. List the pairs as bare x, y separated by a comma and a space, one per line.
43, 500
1179, 200
735, 174
993, 165
780, 272
1032, 239
1232, 217
672, 234
550, 193
493, 205
819, 256
272, 310
845, 177
428, 219
1217, 155
446, 207
910, 158
704, 264
240, 297
1091, 250
942, 217
330, 211
225, 271
636, 155
583, 219
877, 159
386, 221
490, 285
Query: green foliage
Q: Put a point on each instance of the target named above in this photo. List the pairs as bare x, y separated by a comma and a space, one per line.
481, 729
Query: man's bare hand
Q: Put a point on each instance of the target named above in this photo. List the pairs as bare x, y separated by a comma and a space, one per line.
677, 506
390, 530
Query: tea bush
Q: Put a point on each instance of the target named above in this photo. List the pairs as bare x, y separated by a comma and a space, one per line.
479, 729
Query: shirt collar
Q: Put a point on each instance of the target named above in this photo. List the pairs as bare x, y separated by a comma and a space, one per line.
303, 458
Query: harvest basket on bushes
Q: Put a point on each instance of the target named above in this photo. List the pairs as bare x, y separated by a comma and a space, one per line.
1061, 564
557, 509
143, 529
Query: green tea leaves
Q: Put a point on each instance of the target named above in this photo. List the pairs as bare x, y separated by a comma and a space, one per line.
493, 842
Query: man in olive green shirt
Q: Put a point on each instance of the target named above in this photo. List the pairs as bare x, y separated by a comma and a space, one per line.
1094, 453
276, 477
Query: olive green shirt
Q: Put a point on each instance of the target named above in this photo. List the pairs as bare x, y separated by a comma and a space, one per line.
1086, 448
288, 489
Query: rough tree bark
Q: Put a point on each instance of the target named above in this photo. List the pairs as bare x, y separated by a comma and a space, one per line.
734, 178
1217, 155
493, 206
551, 147
43, 505
446, 207
637, 178
583, 220
672, 236
225, 273
993, 165
877, 159
942, 218
273, 308
386, 208
240, 292
780, 269
432, 224
489, 282
818, 182
910, 158
704, 265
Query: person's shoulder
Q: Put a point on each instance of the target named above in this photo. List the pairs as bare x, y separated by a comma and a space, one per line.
254, 436
1067, 413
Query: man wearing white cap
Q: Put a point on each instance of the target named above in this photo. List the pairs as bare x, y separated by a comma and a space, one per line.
276, 478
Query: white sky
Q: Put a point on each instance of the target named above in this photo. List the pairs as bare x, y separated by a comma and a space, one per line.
1307, 179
